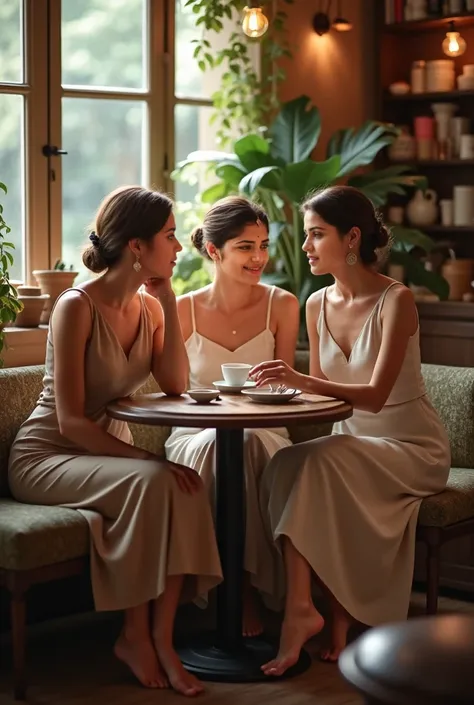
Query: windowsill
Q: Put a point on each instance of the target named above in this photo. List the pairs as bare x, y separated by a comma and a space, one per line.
24, 346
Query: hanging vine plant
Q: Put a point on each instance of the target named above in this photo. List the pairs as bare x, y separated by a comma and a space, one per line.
247, 98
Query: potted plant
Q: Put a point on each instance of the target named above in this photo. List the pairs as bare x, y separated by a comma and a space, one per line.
10, 306
277, 170
54, 282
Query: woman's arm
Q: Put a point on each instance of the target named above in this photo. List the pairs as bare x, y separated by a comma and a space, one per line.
170, 366
399, 323
287, 312
71, 327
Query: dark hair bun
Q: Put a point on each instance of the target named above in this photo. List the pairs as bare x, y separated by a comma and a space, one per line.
382, 234
94, 260
197, 238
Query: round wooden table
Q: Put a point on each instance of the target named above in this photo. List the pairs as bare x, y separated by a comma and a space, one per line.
227, 655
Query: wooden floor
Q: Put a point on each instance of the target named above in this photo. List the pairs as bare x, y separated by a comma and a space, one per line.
71, 664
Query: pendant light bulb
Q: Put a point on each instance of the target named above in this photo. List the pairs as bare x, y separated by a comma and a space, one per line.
340, 24
254, 22
453, 44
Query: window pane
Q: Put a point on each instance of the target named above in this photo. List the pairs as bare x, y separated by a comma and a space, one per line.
104, 43
190, 81
192, 131
11, 43
12, 175
106, 145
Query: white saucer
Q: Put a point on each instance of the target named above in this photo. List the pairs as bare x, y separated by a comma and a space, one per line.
264, 396
227, 388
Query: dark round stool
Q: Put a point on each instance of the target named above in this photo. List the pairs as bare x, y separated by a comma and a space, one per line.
425, 661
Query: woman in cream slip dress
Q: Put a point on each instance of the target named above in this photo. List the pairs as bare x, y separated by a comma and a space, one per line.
344, 507
149, 534
196, 447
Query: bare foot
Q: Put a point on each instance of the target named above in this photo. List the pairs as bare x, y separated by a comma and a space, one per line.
140, 657
179, 678
341, 621
298, 626
251, 620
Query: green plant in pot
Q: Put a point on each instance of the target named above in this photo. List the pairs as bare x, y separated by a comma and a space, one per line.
54, 282
10, 306
277, 170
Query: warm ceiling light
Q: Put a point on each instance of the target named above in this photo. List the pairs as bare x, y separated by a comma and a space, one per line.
254, 22
453, 44
339, 23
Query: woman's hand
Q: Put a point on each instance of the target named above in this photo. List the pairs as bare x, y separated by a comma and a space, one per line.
276, 372
160, 289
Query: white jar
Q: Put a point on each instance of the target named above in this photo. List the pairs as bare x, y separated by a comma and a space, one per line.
440, 75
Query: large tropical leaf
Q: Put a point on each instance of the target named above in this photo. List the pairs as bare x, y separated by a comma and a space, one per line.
231, 174
206, 156
306, 176
295, 131
405, 239
377, 185
418, 275
215, 192
265, 176
360, 147
253, 152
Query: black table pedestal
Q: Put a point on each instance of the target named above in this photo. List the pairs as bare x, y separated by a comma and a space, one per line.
227, 655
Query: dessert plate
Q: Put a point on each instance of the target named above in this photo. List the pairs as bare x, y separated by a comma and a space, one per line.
265, 396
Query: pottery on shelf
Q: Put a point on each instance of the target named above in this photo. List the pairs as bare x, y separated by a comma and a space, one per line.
33, 305
422, 209
53, 282
403, 148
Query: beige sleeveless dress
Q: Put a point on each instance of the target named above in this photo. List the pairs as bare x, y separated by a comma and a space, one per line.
196, 447
349, 502
143, 527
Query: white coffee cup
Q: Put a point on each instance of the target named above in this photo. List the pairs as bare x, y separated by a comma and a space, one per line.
446, 206
235, 373
463, 205
466, 147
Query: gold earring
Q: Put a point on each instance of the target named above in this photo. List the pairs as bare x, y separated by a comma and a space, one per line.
136, 265
351, 258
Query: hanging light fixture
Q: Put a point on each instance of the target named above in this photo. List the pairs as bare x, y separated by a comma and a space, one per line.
322, 24
339, 23
453, 44
254, 22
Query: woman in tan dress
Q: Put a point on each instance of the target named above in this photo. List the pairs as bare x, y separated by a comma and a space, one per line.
344, 508
237, 318
152, 535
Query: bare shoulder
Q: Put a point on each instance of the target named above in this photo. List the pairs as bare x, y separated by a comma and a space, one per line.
313, 304
285, 301
72, 309
154, 307
399, 308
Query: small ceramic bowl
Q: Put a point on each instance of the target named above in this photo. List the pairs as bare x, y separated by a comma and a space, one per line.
203, 396
399, 88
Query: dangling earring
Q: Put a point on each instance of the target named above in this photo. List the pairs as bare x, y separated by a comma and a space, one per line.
351, 258
136, 265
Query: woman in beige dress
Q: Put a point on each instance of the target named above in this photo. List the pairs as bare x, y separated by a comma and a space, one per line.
344, 508
236, 319
152, 535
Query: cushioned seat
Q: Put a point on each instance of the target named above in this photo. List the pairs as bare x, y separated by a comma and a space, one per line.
32, 536
453, 505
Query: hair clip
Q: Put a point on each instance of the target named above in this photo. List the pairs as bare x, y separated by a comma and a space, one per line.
258, 222
94, 238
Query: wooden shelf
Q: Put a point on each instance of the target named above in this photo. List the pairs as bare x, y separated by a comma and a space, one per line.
430, 24
455, 229
419, 97
436, 163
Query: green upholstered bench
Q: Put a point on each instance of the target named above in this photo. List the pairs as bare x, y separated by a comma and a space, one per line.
40, 544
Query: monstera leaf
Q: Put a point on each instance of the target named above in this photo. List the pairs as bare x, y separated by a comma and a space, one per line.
360, 147
295, 132
377, 185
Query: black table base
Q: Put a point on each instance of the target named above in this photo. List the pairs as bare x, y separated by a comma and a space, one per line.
227, 655
242, 664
